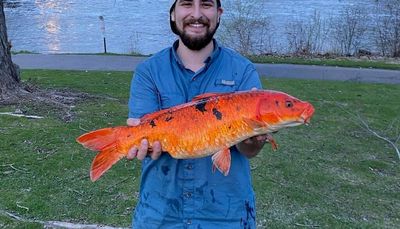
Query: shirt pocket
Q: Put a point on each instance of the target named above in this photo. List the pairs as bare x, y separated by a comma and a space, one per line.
226, 85
168, 100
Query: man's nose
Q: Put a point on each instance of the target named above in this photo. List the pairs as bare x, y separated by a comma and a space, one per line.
196, 11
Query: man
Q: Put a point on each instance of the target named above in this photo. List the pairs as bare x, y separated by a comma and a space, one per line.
186, 193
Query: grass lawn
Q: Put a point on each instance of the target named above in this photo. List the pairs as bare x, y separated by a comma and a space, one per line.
330, 174
340, 62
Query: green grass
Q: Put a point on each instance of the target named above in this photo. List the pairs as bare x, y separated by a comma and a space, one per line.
330, 174
340, 62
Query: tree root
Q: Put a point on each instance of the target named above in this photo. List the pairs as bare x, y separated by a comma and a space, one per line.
358, 120
61, 100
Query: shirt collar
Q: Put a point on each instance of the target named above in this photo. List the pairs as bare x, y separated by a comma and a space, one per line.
208, 61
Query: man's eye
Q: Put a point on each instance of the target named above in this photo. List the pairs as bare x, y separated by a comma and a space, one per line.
207, 4
186, 4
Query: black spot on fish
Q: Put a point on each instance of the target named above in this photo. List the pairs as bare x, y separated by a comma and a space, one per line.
152, 123
169, 118
201, 106
165, 169
277, 103
212, 195
217, 113
129, 135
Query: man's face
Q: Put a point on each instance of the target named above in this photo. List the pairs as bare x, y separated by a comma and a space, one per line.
196, 21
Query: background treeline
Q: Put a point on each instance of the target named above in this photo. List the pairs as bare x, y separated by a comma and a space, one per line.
357, 31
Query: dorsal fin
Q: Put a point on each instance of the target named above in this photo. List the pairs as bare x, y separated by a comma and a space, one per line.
154, 115
207, 95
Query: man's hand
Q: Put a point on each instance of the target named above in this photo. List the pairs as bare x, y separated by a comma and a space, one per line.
143, 150
252, 146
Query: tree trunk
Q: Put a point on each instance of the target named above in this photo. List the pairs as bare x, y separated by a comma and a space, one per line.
9, 72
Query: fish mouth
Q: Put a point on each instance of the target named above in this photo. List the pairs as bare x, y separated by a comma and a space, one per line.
307, 114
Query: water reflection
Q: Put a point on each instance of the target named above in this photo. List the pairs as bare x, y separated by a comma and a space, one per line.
50, 12
72, 26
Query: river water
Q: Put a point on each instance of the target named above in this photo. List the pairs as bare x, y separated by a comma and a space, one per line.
75, 26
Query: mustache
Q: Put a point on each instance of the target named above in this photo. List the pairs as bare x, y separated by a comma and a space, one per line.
200, 20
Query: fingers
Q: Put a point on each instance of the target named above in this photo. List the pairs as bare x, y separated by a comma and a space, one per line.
262, 138
142, 151
257, 139
132, 153
133, 121
156, 150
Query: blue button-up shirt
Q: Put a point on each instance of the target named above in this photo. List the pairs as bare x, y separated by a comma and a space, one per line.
177, 193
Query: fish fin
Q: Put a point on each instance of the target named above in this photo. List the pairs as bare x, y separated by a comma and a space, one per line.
254, 124
272, 141
222, 161
103, 161
106, 141
207, 95
99, 139
154, 115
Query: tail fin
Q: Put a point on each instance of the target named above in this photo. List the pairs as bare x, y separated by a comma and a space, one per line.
106, 141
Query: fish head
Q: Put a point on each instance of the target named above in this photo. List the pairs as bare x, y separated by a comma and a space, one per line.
279, 110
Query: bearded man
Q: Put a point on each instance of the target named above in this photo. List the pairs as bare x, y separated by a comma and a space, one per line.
177, 193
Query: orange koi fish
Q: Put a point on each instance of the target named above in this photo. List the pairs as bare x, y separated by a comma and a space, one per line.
208, 125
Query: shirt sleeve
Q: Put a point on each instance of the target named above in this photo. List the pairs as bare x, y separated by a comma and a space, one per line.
250, 79
143, 97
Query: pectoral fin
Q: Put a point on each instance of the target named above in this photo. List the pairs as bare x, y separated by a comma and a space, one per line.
222, 161
254, 124
272, 141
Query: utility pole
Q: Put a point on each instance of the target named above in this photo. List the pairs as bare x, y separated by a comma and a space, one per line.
103, 31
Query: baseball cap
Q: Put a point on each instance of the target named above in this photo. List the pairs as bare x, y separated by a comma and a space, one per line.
172, 2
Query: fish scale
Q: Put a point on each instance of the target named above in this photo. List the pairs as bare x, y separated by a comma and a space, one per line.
208, 125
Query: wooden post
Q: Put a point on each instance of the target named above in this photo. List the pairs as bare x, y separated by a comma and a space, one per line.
103, 31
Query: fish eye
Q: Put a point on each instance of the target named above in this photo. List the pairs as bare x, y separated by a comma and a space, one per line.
289, 104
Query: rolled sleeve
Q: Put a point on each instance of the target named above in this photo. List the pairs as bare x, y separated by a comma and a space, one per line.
251, 79
143, 97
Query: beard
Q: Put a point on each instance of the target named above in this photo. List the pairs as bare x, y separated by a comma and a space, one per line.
197, 43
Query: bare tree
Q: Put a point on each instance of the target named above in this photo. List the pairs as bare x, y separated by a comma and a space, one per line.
9, 73
387, 27
306, 37
245, 28
349, 30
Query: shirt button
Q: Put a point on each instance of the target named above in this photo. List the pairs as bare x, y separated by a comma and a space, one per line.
189, 221
187, 194
189, 167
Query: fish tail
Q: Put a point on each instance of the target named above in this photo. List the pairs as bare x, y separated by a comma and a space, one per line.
106, 141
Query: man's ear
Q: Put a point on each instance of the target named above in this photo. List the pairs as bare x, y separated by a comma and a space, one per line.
220, 11
172, 16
